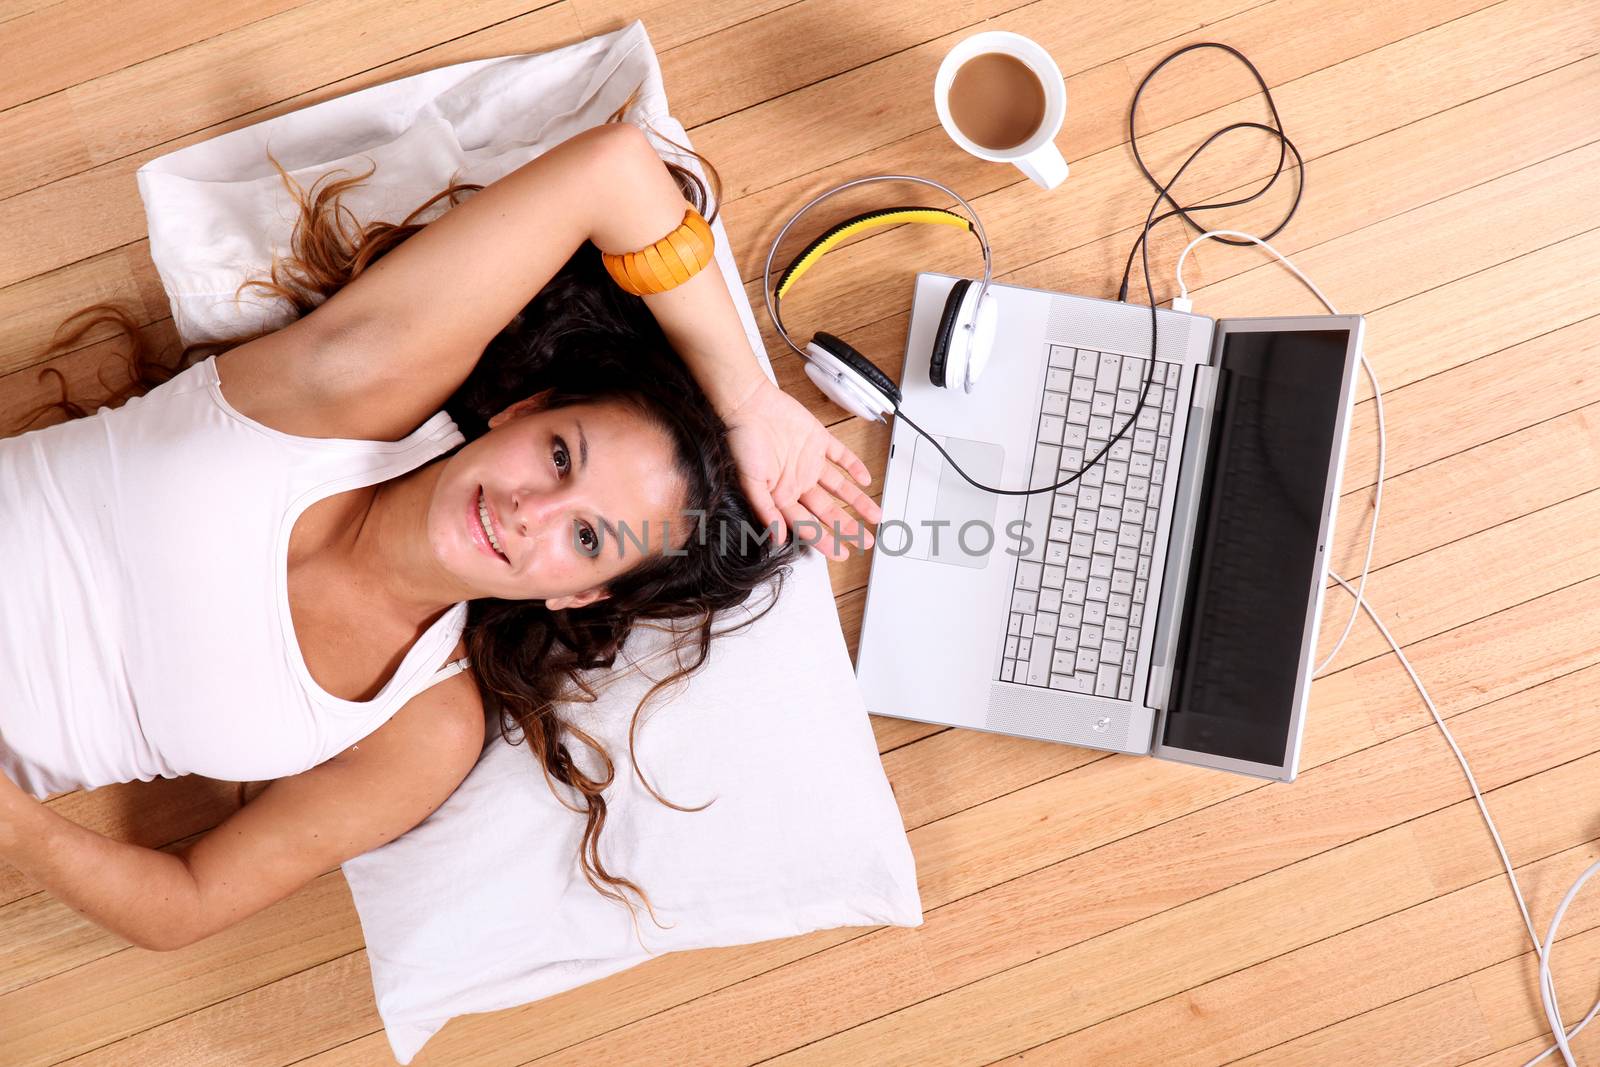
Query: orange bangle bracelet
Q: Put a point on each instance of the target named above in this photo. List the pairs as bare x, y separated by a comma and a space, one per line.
672, 260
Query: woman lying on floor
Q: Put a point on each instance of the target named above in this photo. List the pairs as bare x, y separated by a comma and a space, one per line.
254, 570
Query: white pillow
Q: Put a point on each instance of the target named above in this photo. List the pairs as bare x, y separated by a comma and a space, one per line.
484, 905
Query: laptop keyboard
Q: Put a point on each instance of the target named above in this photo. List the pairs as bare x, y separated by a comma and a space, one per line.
1077, 601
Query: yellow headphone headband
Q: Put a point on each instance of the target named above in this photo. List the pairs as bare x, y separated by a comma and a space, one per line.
887, 217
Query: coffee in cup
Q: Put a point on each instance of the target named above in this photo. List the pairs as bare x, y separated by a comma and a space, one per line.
1001, 97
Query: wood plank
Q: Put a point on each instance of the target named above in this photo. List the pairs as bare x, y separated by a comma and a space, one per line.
65, 44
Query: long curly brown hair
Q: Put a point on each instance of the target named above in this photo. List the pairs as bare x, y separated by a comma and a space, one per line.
580, 339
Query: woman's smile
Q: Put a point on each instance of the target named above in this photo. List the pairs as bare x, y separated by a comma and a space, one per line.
480, 521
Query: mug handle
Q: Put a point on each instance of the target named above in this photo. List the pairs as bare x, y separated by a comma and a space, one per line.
1045, 165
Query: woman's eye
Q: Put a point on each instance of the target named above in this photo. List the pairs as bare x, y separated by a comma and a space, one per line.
587, 538
562, 458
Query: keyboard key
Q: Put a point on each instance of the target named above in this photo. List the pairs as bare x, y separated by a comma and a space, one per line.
1050, 428
1133, 371
1082, 683
1120, 451
1125, 688
1039, 660
1116, 470
1135, 619
1062, 682
1143, 568
1112, 495
1118, 604
1099, 566
1073, 437
1025, 602
1143, 440
1011, 648
1129, 661
1157, 471
1083, 521
1106, 680
1061, 356
1088, 363
1105, 541
1056, 552
1078, 413
1055, 403
1062, 663
1139, 588
1103, 404
1082, 544
1073, 592
1116, 629
1067, 638
1106, 379
1128, 533
1072, 615
1089, 498
1111, 651
1088, 659
1057, 380
1063, 503
1100, 427
1138, 488
1024, 646
1044, 623
1016, 624
1071, 459
1045, 458
1082, 388
1169, 400
1127, 556
1122, 581
1050, 600
1028, 575
1006, 670
1108, 518
1126, 402
1053, 576
1060, 529
1166, 426
1078, 568
1133, 512
1172, 374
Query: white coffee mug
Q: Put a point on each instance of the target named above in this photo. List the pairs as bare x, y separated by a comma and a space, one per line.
1037, 157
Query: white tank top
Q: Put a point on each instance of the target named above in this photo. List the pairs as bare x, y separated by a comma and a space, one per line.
144, 608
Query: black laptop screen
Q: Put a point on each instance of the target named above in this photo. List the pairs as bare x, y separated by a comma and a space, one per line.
1256, 550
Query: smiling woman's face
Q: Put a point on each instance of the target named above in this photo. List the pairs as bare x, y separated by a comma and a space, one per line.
556, 484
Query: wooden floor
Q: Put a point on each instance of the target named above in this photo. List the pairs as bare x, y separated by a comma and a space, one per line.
1080, 908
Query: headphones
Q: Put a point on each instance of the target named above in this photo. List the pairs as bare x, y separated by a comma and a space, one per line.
962, 343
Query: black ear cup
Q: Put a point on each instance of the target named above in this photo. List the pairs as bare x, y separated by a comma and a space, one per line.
860, 364
947, 326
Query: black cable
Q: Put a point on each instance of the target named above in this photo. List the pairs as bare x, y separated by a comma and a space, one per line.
1142, 244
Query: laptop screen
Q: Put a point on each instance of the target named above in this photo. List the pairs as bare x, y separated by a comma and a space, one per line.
1274, 437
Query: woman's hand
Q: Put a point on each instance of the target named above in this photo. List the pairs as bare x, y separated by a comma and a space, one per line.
789, 467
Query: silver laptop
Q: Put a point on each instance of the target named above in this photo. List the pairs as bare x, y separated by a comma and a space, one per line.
1166, 602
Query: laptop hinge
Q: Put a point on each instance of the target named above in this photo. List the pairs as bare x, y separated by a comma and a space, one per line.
1181, 543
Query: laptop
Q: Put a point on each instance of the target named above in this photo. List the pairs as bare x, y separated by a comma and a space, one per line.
1165, 603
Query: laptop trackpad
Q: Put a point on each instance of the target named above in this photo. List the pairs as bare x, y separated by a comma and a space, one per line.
948, 519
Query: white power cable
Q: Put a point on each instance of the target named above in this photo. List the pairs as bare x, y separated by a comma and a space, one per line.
1543, 948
